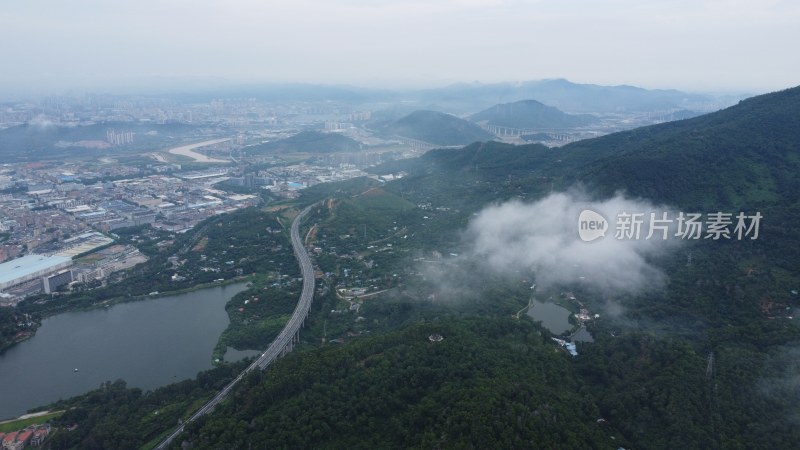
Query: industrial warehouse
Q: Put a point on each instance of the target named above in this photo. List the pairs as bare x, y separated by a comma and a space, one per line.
34, 273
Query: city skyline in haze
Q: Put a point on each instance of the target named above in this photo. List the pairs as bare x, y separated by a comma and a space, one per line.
708, 45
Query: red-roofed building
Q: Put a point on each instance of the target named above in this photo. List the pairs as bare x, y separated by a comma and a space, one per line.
24, 438
9, 441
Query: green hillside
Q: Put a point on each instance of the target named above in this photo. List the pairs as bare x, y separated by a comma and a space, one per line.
748, 153
531, 114
487, 384
490, 383
707, 361
743, 158
308, 142
437, 128
652, 388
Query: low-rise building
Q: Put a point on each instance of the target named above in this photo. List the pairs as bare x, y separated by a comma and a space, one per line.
10, 440
39, 435
24, 438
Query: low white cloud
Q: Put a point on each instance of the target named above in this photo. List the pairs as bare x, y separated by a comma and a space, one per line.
543, 237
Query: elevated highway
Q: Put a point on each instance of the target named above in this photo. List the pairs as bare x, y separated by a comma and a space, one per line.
281, 344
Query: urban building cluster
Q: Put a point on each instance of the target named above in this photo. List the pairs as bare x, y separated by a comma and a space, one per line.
233, 112
56, 228
58, 218
49, 217
33, 436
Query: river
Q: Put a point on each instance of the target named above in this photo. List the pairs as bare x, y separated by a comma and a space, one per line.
148, 343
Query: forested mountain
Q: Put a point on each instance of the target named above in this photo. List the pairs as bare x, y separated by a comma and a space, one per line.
437, 128
746, 153
531, 114
707, 361
491, 384
488, 384
743, 158
652, 388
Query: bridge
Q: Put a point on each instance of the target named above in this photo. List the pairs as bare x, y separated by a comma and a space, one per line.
556, 134
282, 344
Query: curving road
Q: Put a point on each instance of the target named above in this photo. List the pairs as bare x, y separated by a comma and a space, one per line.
283, 343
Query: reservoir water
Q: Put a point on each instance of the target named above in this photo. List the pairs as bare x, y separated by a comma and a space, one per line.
148, 344
554, 317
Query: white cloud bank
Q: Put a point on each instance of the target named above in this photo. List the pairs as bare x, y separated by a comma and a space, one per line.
543, 236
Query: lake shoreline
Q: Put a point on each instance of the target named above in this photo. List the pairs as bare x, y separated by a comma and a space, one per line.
147, 343
119, 300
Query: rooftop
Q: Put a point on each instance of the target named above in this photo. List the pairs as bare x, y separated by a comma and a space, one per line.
24, 435
28, 264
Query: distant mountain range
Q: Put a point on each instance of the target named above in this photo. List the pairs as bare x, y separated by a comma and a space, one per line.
308, 142
466, 98
437, 128
567, 96
531, 114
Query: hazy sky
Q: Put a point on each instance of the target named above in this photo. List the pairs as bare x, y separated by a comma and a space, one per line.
687, 44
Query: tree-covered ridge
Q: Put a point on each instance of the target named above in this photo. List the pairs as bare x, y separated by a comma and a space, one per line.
487, 384
531, 114
744, 158
501, 383
746, 154
308, 142
437, 128
118, 417
14, 326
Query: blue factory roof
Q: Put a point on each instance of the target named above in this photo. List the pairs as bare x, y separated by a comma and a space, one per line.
16, 268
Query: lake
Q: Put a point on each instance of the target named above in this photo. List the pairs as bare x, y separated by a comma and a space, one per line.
556, 319
148, 343
553, 317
